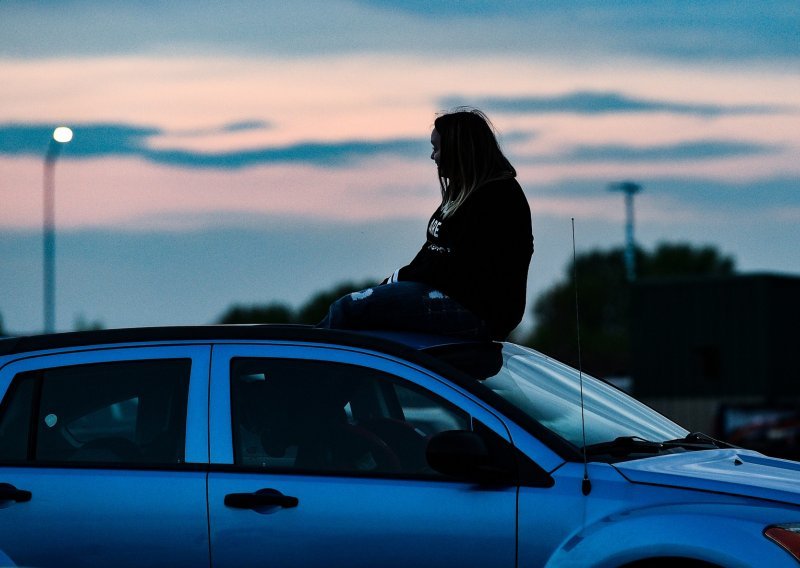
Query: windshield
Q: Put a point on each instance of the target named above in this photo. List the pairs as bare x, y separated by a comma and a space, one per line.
550, 393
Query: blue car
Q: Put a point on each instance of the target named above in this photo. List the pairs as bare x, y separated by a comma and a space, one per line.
283, 446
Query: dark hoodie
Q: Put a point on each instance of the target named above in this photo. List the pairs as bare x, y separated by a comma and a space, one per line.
479, 256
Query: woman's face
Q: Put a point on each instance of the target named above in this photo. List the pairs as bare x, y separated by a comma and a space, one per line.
436, 142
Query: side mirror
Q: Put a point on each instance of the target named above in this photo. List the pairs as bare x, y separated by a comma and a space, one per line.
465, 455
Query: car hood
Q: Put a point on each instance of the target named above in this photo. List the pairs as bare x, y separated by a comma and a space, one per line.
734, 471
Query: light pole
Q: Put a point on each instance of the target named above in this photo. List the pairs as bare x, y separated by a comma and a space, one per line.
629, 189
61, 135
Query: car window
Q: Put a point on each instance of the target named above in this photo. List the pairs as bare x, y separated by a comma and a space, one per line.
16, 419
559, 398
315, 416
118, 412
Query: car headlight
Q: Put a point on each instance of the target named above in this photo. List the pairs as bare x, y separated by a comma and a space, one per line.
786, 536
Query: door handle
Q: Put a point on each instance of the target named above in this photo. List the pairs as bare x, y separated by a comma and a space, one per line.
261, 498
10, 493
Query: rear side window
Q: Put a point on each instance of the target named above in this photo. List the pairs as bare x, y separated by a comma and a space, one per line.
119, 412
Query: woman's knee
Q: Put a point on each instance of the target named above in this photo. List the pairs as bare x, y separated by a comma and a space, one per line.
345, 312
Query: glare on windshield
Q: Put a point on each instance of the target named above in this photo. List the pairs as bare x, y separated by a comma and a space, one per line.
550, 393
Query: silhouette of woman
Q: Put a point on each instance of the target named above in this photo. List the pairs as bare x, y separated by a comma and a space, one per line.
469, 279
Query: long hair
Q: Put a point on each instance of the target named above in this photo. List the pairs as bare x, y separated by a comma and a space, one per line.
469, 156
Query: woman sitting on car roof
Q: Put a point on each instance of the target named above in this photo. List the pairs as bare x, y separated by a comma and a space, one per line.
469, 279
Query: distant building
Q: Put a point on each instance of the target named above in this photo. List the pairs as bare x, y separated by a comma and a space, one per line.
710, 351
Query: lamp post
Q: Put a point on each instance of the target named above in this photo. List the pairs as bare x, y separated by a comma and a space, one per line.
61, 135
629, 189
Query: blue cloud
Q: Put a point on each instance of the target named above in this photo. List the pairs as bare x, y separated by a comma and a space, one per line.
685, 151
667, 29
462, 8
323, 154
593, 102
245, 125
233, 127
737, 197
752, 195
102, 140
90, 139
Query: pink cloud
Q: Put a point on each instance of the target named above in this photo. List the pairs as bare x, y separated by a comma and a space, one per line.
114, 192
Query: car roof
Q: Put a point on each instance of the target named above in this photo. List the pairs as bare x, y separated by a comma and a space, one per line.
393, 342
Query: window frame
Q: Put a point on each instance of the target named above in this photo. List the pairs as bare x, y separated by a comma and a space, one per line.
196, 428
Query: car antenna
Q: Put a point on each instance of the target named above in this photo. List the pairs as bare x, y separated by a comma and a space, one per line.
586, 484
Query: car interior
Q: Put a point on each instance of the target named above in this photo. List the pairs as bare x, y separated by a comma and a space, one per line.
307, 415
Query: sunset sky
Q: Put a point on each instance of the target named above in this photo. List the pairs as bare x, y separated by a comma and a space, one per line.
251, 152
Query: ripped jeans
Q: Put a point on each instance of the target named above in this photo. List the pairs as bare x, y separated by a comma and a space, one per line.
404, 306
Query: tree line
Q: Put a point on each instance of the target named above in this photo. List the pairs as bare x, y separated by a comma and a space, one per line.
604, 303
310, 313
604, 296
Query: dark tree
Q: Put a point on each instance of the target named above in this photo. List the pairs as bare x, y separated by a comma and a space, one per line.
604, 302
267, 313
316, 307
84, 324
682, 259
311, 312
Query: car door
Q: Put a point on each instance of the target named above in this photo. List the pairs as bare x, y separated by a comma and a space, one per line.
97, 464
318, 459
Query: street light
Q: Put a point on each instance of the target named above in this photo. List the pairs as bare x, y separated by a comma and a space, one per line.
61, 135
629, 189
